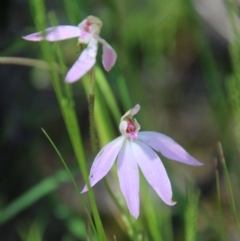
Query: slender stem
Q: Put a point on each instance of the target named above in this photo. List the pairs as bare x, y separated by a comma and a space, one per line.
191, 214
27, 62
93, 136
234, 50
230, 191
219, 202
71, 176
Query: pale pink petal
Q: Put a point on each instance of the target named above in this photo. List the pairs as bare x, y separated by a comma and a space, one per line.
104, 161
129, 177
80, 67
153, 170
168, 147
55, 33
84, 63
83, 24
84, 38
123, 127
109, 57
130, 113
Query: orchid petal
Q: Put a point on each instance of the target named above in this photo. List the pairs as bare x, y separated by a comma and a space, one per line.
104, 161
123, 127
82, 24
168, 147
109, 57
84, 38
130, 113
84, 63
129, 178
153, 170
55, 33
80, 67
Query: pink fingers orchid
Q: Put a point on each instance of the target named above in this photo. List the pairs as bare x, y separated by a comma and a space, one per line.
135, 149
88, 33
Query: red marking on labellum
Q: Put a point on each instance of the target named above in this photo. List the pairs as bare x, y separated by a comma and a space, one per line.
86, 27
130, 127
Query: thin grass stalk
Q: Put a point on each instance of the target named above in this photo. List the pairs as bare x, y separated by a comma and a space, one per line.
229, 186
67, 101
234, 48
71, 177
191, 215
27, 62
221, 233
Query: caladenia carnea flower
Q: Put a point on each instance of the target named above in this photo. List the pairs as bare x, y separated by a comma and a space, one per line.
88, 33
135, 149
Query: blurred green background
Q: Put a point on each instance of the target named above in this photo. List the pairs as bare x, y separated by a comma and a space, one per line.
173, 59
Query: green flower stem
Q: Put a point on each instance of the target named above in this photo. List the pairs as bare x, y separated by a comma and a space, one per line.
93, 136
109, 98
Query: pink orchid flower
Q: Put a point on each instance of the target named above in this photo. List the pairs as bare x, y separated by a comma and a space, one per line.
134, 149
88, 33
